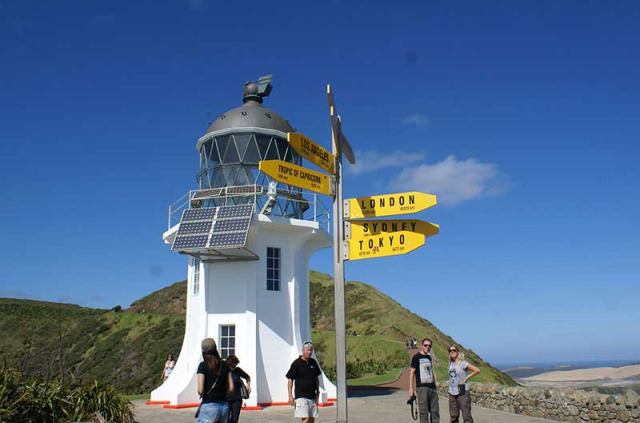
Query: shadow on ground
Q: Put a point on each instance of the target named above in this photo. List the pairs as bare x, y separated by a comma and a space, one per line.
369, 391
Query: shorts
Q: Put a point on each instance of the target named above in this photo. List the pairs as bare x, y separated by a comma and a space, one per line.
305, 407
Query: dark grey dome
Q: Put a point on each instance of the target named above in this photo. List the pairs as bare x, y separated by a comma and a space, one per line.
250, 115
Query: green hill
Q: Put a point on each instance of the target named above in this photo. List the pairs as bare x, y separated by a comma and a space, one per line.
51, 340
127, 348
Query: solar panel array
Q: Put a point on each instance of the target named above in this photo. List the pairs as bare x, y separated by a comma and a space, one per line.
245, 189
206, 193
190, 242
229, 239
198, 214
189, 228
213, 227
244, 210
232, 225
239, 190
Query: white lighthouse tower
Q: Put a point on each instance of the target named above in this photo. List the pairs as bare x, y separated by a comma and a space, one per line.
249, 241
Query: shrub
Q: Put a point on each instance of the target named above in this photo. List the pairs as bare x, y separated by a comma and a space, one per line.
36, 401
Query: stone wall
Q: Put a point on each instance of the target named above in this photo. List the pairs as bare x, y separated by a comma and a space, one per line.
571, 405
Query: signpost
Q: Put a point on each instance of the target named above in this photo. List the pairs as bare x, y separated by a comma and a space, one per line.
382, 238
339, 145
384, 245
359, 229
298, 176
388, 204
312, 152
340, 141
358, 239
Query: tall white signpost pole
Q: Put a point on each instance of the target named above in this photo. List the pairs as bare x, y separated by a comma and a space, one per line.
339, 300
340, 145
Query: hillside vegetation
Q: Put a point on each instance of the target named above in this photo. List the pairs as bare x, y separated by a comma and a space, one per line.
126, 349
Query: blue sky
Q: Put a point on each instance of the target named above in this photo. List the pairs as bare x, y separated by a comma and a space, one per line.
520, 116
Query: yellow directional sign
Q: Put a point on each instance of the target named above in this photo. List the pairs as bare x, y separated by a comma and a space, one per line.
312, 152
383, 245
388, 204
361, 229
298, 176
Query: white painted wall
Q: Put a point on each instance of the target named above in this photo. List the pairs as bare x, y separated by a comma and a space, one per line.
271, 326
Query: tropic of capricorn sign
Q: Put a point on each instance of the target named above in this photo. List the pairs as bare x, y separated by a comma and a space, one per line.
298, 176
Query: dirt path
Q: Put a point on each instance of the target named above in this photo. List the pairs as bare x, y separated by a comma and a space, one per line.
402, 382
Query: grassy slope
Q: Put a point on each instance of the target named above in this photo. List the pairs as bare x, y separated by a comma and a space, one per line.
127, 349
378, 327
122, 349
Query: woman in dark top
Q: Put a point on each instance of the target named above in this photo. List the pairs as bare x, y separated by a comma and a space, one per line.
235, 399
214, 384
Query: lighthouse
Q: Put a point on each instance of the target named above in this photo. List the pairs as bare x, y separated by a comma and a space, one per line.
248, 240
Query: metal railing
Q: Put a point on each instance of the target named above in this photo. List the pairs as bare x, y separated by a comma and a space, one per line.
313, 208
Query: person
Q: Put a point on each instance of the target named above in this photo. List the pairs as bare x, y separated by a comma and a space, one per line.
168, 367
425, 380
459, 396
234, 399
214, 384
304, 372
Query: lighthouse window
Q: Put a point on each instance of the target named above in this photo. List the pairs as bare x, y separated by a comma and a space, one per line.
273, 269
227, 340
196, 276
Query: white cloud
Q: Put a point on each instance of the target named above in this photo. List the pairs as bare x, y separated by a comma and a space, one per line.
452, 180
417, 120
370, 161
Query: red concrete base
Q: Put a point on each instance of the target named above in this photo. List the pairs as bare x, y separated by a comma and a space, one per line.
191, 405
196, 404
165, 404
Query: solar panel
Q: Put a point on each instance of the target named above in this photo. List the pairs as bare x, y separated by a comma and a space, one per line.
227, 225
245, 189
229, 239
190, 242
206, 193
244, 210
198, 214
201, 227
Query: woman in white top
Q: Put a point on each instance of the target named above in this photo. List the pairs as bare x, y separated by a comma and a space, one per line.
459, 396
168, 367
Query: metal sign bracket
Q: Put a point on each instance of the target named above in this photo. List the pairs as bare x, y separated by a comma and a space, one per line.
345, 209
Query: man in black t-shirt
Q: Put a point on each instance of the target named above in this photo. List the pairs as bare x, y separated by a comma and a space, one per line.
304, 372
425, 381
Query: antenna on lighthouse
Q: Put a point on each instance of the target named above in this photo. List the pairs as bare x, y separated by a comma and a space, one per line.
257, 90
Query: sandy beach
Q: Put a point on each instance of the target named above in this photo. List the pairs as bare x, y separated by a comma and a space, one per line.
605, 376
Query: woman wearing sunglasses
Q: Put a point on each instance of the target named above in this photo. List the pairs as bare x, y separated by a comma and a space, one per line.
459, 396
